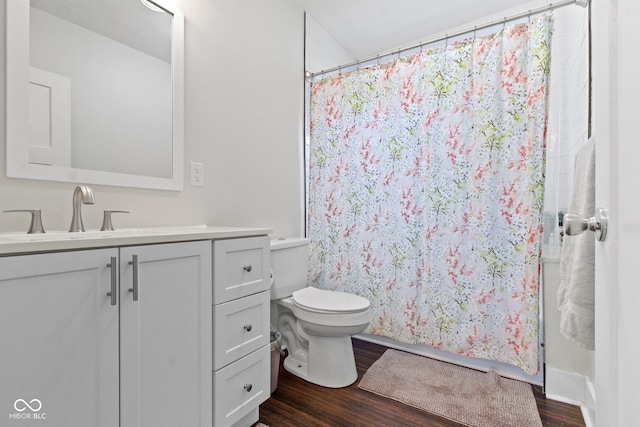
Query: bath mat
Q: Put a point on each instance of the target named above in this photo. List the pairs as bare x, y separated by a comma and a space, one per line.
460, 394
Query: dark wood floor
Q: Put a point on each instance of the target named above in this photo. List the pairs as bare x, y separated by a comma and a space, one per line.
297, 403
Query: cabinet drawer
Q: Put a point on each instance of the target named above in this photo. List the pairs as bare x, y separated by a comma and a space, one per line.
240, 327
241, 387
240, 268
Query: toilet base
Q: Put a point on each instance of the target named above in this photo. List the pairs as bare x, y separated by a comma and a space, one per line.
328, 363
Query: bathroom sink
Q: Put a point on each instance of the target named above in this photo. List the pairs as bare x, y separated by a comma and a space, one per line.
21, 243
56, 236
86, 235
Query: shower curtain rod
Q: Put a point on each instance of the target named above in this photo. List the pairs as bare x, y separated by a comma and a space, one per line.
550, 6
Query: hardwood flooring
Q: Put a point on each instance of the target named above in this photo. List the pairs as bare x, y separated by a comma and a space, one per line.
297, 403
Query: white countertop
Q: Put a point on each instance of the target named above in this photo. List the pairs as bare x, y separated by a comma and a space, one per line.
13, 244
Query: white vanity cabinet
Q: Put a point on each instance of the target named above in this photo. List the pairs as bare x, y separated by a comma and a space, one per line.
59, 345
241, 352
77, 349
165, 335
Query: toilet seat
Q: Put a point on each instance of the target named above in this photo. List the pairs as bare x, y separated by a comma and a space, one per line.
325, 301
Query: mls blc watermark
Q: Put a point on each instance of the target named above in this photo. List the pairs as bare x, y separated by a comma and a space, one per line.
31, 410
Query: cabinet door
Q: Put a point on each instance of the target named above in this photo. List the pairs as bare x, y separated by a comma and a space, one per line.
58, 340
166, 341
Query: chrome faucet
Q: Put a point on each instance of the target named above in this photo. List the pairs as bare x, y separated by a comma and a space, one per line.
82, 194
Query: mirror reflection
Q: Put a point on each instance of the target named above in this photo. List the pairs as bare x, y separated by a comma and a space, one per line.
100, 92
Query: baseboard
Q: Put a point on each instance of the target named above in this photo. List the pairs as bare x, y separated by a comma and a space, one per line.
574, 389
589, 406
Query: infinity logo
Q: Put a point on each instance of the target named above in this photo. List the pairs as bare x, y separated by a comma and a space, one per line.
21, 405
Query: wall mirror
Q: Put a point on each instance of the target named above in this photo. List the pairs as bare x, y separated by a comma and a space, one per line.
95, 92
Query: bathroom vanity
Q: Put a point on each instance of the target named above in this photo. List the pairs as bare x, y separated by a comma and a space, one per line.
149, 327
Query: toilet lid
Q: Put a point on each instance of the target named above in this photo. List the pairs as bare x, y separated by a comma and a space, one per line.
315, 299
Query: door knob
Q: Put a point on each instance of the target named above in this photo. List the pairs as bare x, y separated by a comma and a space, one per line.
575, 224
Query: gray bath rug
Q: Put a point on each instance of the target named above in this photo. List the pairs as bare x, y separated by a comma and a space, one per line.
460, 394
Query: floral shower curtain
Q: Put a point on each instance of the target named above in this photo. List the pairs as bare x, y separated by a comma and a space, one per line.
426, 188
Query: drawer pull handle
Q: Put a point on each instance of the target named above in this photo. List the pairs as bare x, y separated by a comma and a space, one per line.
247, 268
113, 265
134, 290
248, 327
248, 387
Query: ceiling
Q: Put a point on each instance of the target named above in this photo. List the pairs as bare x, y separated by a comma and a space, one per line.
364, 27
369, 27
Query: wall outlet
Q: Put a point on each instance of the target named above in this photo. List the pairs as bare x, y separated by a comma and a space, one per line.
197, 174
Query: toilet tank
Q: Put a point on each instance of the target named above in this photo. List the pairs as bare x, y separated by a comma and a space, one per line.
289, 262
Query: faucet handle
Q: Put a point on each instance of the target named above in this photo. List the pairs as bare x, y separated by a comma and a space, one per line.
107, 225
36, 220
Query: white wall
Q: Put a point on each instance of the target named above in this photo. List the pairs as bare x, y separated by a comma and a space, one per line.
244, 73
323, 51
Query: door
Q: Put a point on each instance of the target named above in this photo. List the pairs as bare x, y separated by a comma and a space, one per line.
615, 114
166, 335
58, 340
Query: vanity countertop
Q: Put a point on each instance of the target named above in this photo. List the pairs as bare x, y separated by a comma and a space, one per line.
14, 244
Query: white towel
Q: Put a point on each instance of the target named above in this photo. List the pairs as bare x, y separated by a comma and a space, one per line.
576, 294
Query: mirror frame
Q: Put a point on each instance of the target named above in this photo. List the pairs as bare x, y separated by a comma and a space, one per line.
17, 110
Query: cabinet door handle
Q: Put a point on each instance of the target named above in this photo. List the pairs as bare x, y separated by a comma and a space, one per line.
134, 263
247, 268
114, 281
248, 327
248, 387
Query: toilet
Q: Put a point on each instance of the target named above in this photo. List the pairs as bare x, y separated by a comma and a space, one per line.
316, 325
